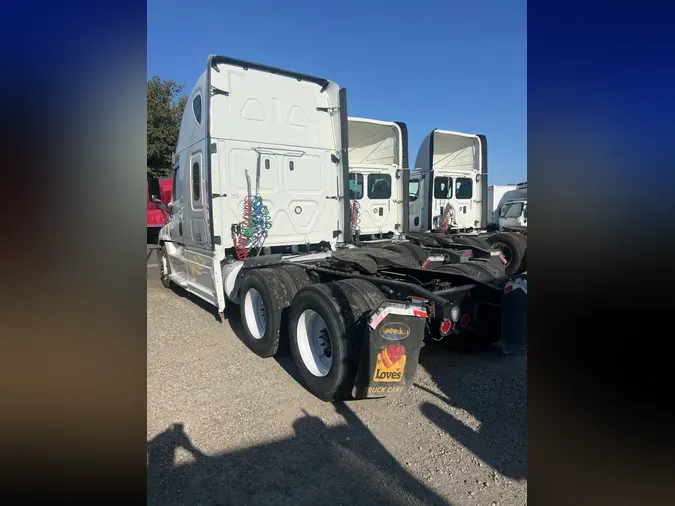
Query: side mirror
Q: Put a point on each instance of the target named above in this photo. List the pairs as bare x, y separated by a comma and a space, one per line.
162, 205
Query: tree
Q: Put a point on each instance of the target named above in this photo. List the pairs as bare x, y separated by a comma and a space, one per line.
165, 111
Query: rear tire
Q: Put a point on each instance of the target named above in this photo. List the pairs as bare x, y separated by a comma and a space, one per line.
467, 269
482, 243
512, 247
263, 298
298, 276
490, 269
317, 327
357, 298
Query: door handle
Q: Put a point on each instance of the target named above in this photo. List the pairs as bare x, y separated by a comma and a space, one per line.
381, 211
180, 229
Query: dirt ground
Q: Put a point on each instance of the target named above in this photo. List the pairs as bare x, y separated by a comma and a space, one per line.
226, 427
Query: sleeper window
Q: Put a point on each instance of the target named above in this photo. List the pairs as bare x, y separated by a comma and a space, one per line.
197, 108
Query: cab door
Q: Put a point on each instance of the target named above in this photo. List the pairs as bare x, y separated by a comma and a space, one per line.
416, 202
196, 234
441, 195
175, 248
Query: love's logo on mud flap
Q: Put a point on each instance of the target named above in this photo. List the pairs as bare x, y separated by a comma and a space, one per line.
390, 364
394, 331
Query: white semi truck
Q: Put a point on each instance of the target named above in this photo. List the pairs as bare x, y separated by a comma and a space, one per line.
378, 155
449, 195
260, 218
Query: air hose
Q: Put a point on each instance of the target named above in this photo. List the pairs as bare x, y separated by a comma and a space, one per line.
447, 218
253, 229
356, 218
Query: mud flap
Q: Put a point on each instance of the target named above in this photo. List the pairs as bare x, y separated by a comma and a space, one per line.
391, 350
514, 315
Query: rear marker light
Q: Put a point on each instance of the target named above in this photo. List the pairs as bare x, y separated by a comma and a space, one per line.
446, 325
465, 320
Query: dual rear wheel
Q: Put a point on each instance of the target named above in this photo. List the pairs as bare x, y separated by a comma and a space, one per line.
324, 324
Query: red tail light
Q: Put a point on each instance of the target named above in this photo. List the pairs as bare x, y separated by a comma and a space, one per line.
464, 321
446, 325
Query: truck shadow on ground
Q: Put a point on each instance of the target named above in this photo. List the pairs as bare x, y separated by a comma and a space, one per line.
341, 465
492, 389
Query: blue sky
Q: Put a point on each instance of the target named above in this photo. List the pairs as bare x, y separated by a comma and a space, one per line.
432, 64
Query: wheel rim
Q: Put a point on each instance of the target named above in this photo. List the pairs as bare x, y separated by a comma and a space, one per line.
314, 343
254, 310
506, 251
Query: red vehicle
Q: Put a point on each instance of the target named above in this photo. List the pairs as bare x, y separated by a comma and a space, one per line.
155, 217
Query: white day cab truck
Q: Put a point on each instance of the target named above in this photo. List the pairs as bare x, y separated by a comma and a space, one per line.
260, 218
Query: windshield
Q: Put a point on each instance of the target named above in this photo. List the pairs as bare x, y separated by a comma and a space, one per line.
512, 210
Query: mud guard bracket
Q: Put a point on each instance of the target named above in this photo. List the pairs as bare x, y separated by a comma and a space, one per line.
391, 350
